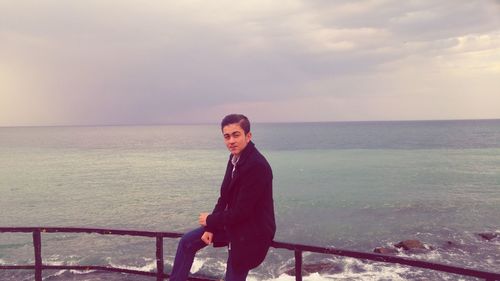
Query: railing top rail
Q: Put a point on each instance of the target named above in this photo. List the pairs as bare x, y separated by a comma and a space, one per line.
276, 244
91, 230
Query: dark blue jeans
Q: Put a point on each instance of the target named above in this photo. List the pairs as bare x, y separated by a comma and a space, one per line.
189, 244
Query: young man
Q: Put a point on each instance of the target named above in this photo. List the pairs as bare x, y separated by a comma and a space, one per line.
243, 218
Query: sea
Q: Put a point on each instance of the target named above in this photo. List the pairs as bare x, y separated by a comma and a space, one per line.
348, 185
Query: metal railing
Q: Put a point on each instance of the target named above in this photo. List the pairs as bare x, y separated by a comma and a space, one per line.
160, 275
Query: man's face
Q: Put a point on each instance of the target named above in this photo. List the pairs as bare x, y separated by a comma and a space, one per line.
235, 138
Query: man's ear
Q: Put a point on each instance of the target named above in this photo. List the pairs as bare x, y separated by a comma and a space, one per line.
249, 137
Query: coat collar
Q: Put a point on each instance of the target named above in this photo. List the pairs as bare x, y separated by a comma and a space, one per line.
245, 153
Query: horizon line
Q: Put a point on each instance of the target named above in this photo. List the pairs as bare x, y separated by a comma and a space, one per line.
253, 122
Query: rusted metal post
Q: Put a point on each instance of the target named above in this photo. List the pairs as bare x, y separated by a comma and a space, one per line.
298, 265
37, 244
159, 258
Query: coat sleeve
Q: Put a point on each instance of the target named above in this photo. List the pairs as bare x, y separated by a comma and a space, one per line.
250, 191
219, 207
221, 204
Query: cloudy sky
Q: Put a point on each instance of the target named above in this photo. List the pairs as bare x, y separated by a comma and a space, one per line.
154, 62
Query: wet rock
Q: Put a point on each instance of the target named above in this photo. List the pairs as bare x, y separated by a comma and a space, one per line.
384, 250
316, 267
488, 235
411, 245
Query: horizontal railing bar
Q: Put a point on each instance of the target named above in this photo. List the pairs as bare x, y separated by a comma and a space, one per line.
387, 259
18, 229
275, 244
83, 268
91, 230
9, 267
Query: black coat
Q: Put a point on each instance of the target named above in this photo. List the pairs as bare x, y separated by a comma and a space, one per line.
244, 213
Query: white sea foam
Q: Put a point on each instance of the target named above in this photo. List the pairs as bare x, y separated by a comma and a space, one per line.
353, 269
149, 266
58, 273
82, 271
427, 256
61, 272
369, 271
358, 270
215, 266
198, 264
57, 260
373, 276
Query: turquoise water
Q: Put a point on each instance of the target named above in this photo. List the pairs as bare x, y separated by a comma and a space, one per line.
355, 185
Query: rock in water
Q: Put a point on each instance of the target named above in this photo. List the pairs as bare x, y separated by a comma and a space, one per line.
488, 235
385, 251
411, 245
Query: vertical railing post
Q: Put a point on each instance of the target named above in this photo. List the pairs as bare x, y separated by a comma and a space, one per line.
37, 244
159, 257
298, 265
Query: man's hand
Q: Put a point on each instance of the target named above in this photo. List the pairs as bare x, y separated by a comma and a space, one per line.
207, 237
203, 219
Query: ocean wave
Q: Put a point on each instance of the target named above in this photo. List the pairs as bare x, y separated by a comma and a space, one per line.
197, 264
56, 274
150, 265
353, 270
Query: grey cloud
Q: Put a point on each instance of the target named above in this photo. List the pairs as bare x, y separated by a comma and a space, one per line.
148, 62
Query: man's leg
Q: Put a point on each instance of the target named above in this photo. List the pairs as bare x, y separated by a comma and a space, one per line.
233, 274
189, 244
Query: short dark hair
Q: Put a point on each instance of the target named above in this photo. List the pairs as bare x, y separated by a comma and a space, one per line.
239, 119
